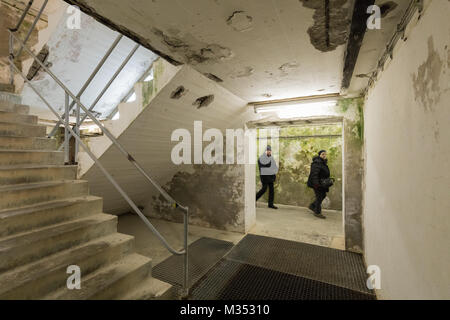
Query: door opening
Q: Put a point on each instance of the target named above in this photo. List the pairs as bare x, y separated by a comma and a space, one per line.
293, 148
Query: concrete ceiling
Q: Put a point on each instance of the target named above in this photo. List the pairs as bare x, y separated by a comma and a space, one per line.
257, 49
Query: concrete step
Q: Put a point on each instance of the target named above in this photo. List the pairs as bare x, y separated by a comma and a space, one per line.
13, 117
23, 219
20, 195
29, 174
6, 87
10, 157
109, 282
39, 278
14, 107
22, 129
149, 289
27, 143
31, 246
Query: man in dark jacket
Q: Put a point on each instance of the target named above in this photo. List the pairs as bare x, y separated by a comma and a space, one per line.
267, 173
319, 171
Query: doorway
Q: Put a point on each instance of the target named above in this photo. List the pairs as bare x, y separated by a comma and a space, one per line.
294, 147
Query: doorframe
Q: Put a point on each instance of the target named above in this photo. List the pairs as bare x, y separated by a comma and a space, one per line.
311, 121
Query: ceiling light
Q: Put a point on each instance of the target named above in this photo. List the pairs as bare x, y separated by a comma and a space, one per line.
301, 108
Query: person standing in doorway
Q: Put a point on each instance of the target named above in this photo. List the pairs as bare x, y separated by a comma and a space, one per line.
319, 172
267, 173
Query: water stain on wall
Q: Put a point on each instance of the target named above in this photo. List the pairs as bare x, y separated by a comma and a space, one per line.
426, 81
214, 195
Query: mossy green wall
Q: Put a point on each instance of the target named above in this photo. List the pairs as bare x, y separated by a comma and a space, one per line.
295, 156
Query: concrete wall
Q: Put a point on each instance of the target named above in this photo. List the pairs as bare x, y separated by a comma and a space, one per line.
214, 193
407, 171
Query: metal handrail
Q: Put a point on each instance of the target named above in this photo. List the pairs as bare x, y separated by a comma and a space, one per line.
89, 80
130, 92
100, 95
102, 168
38, 16
25, 11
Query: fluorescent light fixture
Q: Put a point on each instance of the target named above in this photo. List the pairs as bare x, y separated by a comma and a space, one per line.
301, 108
132, 97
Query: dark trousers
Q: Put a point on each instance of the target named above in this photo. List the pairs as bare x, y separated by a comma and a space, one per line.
264, 189
317, 204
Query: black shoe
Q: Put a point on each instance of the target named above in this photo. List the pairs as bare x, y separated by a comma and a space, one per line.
319, 215
273, 207
311, 207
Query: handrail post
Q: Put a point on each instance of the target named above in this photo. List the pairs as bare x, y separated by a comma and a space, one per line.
77, 131
186, 254
22, 17
38, 16
11, 60
106, 87
66, 131
89, 80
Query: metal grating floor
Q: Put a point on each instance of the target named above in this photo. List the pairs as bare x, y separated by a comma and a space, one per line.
204, 253
231, 280
327, 265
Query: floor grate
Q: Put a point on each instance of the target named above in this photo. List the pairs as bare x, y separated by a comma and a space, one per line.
231, 280
326, 265
204, 253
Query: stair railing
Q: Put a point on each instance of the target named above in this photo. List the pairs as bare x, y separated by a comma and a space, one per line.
100, 95
74, 132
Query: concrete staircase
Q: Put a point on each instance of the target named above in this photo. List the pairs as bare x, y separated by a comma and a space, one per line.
48, 221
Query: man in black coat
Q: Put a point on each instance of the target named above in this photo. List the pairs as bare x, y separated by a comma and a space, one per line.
319, 171
267, 173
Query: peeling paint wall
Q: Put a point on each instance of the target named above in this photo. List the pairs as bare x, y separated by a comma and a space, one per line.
407, 170
214, 195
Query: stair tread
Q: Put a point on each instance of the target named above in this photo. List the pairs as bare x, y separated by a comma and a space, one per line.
102, 278
22, 123
36, 166
29, 237
25, 137
40, 268
30, 151
20, 115
150, 288
41, 184
10, 212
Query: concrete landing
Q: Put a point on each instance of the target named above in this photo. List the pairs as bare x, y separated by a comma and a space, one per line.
299, 224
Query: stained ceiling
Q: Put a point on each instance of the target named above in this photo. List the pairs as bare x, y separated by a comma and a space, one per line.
257, 49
